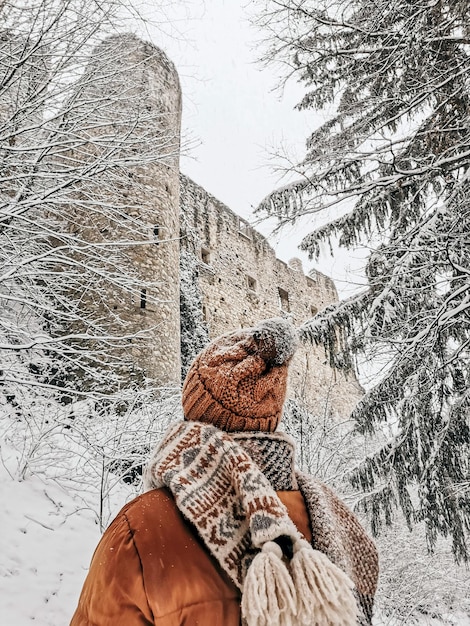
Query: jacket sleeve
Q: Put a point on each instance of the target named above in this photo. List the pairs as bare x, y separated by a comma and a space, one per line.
113, 593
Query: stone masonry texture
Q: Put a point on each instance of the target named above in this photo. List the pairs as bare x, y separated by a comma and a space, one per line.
242, 282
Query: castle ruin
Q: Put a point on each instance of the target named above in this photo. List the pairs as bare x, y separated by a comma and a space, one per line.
237, 276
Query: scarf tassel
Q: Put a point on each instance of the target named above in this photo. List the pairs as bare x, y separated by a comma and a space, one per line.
315, 592
269, 595
324, 591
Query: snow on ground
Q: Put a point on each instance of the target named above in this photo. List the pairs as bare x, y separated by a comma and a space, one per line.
46, 545
46, 542
57, 489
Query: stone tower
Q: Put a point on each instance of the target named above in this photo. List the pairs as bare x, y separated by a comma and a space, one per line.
129, 101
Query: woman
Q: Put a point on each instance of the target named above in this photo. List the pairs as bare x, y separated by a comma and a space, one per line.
227, 531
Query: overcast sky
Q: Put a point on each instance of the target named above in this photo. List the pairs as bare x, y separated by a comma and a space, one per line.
234, 116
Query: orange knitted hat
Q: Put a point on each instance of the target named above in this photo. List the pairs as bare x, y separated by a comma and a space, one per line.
239, 381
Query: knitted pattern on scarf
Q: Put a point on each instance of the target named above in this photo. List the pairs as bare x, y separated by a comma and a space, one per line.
219, 489
225, 485
336, 532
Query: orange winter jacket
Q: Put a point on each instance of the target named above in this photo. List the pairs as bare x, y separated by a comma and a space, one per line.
150, 568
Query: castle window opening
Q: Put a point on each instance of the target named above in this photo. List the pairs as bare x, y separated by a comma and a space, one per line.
244, 228
156, 233
205, 256
204, 313
143, 298
283, 297
251, 283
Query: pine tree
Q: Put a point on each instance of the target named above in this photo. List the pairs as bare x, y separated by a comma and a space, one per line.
394, 157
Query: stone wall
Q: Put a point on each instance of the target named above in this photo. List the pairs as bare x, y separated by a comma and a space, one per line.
242, 282
239, 279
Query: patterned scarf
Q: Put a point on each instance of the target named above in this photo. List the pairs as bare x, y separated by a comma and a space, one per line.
225, 485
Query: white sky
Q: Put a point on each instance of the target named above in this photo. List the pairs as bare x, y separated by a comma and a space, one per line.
234, 117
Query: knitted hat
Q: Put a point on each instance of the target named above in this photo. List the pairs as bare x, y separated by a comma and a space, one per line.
239, 381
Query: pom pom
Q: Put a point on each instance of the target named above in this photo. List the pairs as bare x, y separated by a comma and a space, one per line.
277, 340
324, 592
286, 545
268, 592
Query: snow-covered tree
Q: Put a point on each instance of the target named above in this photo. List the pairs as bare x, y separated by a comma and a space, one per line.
77, 130
392, 80
194, 331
